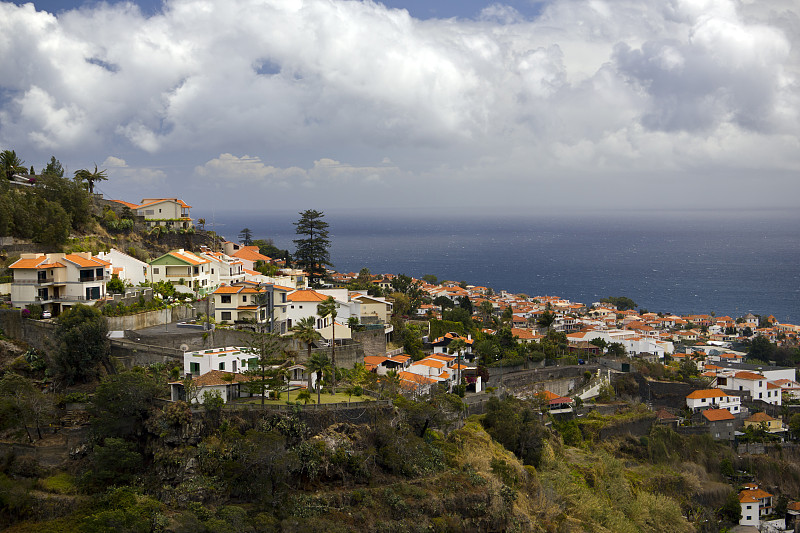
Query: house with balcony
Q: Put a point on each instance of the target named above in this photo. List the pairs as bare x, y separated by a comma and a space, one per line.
169, 212
755, 504
246, 303
187, 271
58, 281
756, 384
701, 400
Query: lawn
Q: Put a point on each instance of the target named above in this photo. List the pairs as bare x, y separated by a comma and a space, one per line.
325, 398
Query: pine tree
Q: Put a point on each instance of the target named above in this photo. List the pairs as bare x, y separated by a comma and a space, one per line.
312, 246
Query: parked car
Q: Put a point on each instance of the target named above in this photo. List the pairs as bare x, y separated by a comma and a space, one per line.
46, 314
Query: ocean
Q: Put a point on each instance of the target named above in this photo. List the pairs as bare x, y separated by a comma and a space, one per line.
727, 262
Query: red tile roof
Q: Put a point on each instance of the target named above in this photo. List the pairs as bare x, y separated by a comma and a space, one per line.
715, 415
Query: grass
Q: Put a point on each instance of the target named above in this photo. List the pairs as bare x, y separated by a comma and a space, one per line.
61, 483
325, 398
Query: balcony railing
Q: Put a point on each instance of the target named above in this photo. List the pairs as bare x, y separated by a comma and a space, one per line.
93, 278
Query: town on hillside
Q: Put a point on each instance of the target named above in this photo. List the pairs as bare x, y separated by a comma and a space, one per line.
244, 329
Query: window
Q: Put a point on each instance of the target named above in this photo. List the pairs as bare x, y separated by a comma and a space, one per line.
226, 298
760, 394
233, 363
212, 270
196, 270
222, 365
86, 275
92, 293
155, 271
226, 315
42, 294
244, 298
194, 368
149, 212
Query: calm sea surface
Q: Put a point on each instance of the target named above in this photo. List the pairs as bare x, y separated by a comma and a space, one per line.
727, 262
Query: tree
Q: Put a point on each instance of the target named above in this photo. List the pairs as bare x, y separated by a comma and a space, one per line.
115, 285
486, 310
761, 349
90, 177
24, 404
246, 237
10, 164
622, 303
83, 332
324, 309
430, 278
53, 168
616, 349
202, 223
546, 320
318, 364
305, 397
304, 331
265, 346
121, 404
311, 251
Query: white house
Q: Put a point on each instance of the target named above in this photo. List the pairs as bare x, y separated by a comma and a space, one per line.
125, 267
226, 384
187, 271
228, 359
169, 212
755, 504
713, 399
756, 384
58, 281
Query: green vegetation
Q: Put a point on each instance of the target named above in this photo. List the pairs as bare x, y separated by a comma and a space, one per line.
312, 244
84, 345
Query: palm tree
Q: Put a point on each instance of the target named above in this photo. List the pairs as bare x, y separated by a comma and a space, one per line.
304, 331
305, 397
319, 363
90, 177
328, 308
486, 309
10, 164
202, 223
457, 346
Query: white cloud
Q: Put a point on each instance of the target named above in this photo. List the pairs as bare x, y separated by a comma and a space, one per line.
118, 170
588, 89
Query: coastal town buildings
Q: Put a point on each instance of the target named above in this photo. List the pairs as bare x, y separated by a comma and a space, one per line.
58, 281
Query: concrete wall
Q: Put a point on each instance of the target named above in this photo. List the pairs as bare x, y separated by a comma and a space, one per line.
39, 334
149, 318
372, 341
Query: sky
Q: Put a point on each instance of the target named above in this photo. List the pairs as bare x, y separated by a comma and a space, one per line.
555, 106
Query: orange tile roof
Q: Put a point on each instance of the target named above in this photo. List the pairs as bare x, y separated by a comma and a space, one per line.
547, 395
401, 358
127, 204
759, 417
415, 378
29, 263
188, 257
226, 289
431, 363
247, 307
306, 296
753, 495
706, 393
715, 415
250, 253
374, 359
749, 376
151, 201
282, 288
84, 262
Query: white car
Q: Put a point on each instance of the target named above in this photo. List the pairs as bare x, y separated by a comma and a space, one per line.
46, 314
